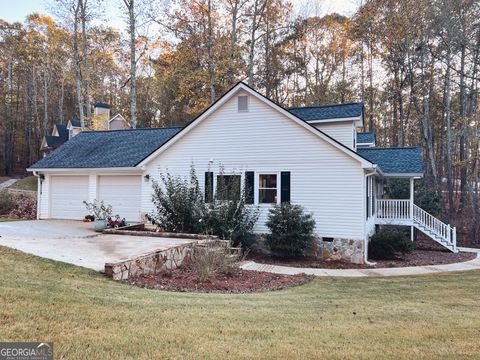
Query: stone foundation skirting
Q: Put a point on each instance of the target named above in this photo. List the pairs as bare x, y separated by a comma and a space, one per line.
157, 261
342, 249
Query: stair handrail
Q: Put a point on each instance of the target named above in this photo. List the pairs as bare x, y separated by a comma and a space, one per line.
438, 227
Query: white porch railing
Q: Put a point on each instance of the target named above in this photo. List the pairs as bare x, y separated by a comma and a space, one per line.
436, 229
389, 209
403, 212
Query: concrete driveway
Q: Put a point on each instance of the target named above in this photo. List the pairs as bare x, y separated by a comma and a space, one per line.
76, 243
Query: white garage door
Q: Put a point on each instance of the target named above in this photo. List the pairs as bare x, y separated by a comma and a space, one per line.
67, 194
123, 193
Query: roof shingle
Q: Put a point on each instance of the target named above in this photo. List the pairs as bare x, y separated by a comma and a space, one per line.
106, 149
365, 137
324, 112
406, 160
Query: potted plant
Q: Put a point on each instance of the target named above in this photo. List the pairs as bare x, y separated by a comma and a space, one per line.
101, 212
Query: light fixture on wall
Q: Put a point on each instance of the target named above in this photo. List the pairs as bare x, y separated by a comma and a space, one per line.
41, 176
147, 177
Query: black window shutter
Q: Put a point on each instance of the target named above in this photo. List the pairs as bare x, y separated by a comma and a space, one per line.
208, 186
285, 186
249, 187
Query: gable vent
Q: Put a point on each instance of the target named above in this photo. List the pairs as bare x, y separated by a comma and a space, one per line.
243, 103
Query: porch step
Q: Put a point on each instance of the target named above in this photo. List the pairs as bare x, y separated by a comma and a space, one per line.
438, 231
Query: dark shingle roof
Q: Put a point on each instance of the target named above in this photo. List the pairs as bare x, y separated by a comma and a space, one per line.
53, 140
324, 112
105, 149
62, 132
76, 123
365, 137
395, 160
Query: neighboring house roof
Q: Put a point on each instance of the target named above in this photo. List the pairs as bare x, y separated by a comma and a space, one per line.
106, 149
325, 112
365, 137
101, 105
62, 132
75, 123
52, 141
395, 161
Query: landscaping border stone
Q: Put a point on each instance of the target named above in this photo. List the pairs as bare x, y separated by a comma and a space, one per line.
157, 261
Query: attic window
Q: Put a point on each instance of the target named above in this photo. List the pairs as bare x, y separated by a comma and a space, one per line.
243, 103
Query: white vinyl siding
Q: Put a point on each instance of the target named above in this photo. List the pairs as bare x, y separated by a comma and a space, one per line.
325, 180
123, 193
67, 194
343, 132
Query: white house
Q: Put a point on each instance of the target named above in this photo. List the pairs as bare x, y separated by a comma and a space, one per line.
312, 156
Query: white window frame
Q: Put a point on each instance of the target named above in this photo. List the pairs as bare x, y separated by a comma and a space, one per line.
257, 187
215, 180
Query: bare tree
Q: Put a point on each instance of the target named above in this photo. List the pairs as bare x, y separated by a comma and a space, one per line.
130, 6
257, 13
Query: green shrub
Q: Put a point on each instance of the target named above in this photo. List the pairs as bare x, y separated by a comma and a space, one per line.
388, 244
7, 202
291, 231
425, 197
232, 219
179, 204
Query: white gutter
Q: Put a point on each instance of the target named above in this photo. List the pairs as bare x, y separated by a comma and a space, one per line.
365, 231
111, 169
39, 193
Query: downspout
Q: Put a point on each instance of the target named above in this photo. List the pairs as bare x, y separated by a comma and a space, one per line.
365, 222
39, 193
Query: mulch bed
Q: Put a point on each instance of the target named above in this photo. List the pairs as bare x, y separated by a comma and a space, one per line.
244, 281
427, 252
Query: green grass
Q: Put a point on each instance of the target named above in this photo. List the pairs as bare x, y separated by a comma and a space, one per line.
28, 183
90, 317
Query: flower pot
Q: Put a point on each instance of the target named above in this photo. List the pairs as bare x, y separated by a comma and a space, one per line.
100, 225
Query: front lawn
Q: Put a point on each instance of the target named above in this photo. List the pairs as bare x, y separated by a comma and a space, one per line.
90, 317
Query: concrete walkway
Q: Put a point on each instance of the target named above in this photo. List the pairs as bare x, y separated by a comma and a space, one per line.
76, 243
399, 271
7, 183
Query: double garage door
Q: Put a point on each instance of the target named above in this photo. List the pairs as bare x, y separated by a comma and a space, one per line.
67, 194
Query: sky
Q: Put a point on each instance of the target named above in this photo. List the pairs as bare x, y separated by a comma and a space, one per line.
17, 10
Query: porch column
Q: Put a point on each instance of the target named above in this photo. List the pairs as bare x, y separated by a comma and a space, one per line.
411, 207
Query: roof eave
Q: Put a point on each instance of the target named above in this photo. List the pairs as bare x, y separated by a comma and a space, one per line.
109, 169
404, 175
356, 119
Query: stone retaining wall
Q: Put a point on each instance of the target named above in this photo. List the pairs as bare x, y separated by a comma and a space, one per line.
343, 249
157, 261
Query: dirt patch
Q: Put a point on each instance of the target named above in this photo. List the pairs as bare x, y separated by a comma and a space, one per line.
427, 252
243, 281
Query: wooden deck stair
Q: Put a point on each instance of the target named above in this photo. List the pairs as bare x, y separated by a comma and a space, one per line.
404, 212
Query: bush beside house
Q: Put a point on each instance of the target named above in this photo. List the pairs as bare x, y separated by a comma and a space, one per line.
180, 206
291, 231
389, 244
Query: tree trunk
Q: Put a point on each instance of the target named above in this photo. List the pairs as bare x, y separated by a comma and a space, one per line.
78, 73
45, 102
448, 125
463, 153
86, 69
130, 4
211, 64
